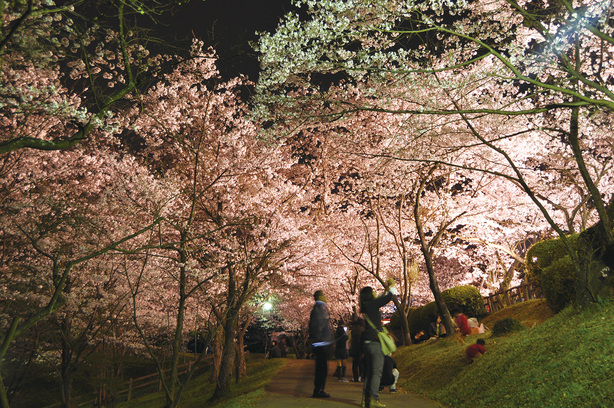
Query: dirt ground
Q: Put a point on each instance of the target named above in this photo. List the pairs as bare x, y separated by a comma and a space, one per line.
294, 385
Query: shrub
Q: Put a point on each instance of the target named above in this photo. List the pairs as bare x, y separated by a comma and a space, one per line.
506, 325
420, 318
428, 313
550, 268
466, 299
559, 283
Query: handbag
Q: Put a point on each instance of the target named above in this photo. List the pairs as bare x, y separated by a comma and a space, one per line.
385, 339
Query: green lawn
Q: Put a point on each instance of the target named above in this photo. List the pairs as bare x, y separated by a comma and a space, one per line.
566, 361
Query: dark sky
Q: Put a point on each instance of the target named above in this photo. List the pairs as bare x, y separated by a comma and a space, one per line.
229, 26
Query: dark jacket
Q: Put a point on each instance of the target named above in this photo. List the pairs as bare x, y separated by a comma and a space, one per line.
356, 334
387, 376
319, 323
371, 309
341, 341
433, 330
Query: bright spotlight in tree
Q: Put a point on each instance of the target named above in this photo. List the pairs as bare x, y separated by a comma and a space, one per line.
267, 306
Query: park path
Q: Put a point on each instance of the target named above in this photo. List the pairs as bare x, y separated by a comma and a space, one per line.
293, 386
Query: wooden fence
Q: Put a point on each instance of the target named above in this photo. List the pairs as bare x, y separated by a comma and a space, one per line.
142, 382
511, 296
133, 385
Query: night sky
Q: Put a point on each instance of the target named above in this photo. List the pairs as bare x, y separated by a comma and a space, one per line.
228, 26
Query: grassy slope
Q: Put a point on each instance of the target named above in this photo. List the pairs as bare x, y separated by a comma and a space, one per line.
566, 361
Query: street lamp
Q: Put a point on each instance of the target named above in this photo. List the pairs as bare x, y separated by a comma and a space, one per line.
267, 306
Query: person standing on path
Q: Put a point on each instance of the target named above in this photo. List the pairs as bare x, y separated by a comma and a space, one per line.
374, 357
321, 336
358, 326
341, 351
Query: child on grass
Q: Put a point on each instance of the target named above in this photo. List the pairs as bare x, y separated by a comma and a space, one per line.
475, 350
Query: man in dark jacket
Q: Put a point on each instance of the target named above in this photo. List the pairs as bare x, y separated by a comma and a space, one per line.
321, 336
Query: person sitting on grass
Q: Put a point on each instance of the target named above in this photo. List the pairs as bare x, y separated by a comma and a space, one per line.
420, 337
462, 326
475, 350
436, 329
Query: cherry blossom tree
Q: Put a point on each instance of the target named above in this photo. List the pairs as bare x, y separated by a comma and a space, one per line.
360, 183
214, 191
543, 72
228, 209
93, 314
60, 80
367, 233
59, 212
73, 62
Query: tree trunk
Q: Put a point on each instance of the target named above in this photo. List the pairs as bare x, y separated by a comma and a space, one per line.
405, 329
173, 388
241, 365
217, 355
230, 324
298, 344
67, 379
66, 368
228, 357
4, 401
171, 395
427, 251
441, 304
406, 340
592, 273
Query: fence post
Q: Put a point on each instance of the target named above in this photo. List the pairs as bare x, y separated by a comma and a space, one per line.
129, 389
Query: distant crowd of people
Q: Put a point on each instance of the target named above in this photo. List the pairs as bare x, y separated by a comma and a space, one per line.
278, 350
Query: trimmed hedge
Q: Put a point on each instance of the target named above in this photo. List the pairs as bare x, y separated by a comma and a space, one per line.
466, 299
559, 283
549, 267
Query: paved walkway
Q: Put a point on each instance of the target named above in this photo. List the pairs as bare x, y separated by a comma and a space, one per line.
294, 385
